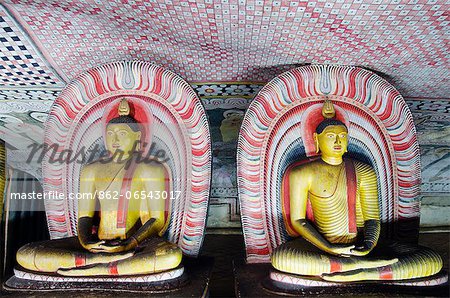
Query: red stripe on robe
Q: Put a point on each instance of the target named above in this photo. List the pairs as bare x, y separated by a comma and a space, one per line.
80, 260
112, 268
122, 210
351, 194
386, 273
335, 266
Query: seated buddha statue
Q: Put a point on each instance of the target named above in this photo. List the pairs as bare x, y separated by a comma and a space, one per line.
334, 208
118, 234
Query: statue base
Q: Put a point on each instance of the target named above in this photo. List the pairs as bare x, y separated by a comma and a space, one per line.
292, 280
260, 280
157, 282
191, 279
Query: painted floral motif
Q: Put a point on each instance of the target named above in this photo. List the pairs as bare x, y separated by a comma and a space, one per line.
237, 89
209, 90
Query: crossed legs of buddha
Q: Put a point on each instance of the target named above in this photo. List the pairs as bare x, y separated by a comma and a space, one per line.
67, 257
390, 261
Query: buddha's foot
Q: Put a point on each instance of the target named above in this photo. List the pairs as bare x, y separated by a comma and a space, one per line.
84, 271
349, 276
362, 270
97, 264
106, 258
367, 264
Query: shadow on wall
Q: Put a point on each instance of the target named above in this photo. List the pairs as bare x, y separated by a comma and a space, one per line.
23, 220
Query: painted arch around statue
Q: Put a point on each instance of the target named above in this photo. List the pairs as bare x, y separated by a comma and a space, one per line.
180, 130
272, 137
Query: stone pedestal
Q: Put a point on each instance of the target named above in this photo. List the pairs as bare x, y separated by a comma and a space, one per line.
260, 280
191, 279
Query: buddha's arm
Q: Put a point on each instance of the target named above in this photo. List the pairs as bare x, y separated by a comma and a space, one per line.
368, 194
86, 210
153, 219
299, 186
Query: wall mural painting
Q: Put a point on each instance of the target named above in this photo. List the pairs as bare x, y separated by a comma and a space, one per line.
435, 170
225, 106
2, 174
225, 124
433, 131
21, 127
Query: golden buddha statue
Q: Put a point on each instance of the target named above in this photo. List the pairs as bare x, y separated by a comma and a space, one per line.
127, 240
341, 242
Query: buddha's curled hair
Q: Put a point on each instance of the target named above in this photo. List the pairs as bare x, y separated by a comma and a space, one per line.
128, 120
328, 122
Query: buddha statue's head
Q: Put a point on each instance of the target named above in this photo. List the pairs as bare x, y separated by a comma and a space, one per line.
331, 136
123, 133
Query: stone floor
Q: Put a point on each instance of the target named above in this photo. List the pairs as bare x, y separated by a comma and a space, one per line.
226, 248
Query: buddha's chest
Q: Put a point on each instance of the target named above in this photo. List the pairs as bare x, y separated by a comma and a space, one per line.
111, 177
112, 187
326, 182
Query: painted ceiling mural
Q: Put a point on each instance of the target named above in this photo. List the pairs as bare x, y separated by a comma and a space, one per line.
227, 50
239, 40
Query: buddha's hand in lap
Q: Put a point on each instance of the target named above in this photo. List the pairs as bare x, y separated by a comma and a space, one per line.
360, 251
343, 250
116, 246
93, 245
350, 250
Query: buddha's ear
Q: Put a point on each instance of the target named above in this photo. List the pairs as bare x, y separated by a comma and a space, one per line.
316, 142
138, 134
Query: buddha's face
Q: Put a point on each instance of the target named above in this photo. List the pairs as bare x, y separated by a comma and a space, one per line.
332, 141
121, 137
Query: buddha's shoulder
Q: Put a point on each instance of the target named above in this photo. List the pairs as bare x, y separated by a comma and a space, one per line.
305, 167
151, 169
91, 167
363, 168
90, 170
359, 164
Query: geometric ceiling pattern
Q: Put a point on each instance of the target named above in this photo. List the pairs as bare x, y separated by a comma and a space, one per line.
21, 64
216, 41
